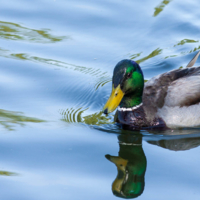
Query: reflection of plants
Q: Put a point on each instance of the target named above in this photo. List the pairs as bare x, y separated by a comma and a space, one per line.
9, 118
160, 7
185, 52
193, 50
5, 173
75, 115
184, 41
135, 55
151, 55
13, 31
102, 81
97, 119
101, 77
23, 56
159, 51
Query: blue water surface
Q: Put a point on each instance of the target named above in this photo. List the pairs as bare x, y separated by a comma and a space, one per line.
57, 59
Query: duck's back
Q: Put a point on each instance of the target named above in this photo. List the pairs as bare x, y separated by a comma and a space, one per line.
184, 91
174, 96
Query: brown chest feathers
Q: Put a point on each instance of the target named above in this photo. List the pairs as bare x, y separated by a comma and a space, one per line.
136, 120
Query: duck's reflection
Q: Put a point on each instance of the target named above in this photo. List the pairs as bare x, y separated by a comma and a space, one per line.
178, 144
131, 165
131, 161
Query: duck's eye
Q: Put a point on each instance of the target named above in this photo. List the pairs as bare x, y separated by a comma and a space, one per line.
129, 75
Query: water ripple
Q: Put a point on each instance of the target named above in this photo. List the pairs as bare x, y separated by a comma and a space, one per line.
102, 81
24, 56
79, 115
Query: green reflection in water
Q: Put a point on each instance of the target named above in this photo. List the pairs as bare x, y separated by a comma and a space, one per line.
97, 119
171, 56
73, 115
151, 55
158, 51
184, 52
135, 55
131, 165
101, 78
102, 81
6, 173
13, 31
184, 41
131, 161
160, 7
9, 118
193, 50
86, 70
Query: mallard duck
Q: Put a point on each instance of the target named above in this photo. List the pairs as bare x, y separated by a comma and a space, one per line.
169, 100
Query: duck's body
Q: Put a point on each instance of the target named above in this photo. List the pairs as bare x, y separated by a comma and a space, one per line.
170, 100
136, 119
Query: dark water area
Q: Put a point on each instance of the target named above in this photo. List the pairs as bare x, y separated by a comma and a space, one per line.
57, 59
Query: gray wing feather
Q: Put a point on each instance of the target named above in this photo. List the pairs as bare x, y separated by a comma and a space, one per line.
156, 89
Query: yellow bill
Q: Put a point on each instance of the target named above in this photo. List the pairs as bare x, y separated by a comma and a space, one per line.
118, 161
114, 100
121, 166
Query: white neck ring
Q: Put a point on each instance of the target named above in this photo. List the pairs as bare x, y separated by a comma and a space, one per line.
129, 109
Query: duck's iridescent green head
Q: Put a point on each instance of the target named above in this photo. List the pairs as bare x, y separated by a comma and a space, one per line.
127, 81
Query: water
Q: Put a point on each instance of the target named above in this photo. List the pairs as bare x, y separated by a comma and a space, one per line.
57, 59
